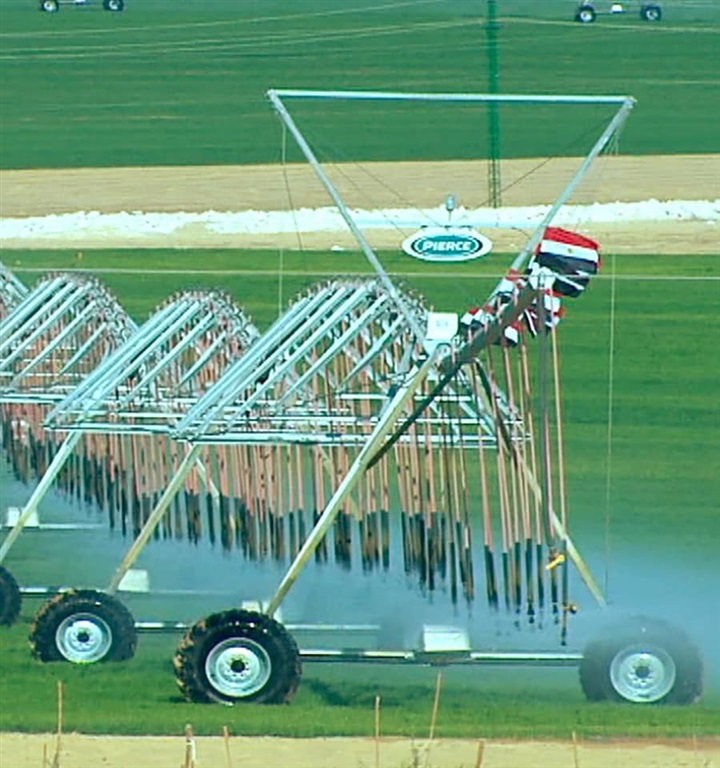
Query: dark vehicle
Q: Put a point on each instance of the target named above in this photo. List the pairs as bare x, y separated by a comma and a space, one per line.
588, 10
53, 6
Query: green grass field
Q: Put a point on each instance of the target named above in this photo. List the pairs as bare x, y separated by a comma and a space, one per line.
140, 697
173, 84
180, 84
663, 492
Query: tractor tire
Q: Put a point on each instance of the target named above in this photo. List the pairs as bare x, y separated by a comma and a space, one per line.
642, 662
238, 656
585, 14
651, 13
83, 627
49, 6
114, 5
10, 598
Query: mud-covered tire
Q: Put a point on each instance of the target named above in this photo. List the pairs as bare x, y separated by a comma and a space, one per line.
238, 656
10, 598
83, 627
642, 661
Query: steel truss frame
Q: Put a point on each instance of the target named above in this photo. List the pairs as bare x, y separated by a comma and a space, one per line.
452, 359
12, 291
263, 397
116, 368
53, 337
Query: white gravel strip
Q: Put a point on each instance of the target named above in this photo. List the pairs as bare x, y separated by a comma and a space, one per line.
138, 224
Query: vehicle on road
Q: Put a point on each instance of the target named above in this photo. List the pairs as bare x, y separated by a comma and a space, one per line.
589, 10
53, 6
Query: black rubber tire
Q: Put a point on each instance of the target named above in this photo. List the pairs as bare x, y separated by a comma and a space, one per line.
114, 5
49, 6
10, 598
637, 641
83, 627
256, 656
585, 14
651, 13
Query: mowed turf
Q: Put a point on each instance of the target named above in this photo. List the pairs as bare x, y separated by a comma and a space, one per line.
140, 697
642, 498
179, 84
643, 473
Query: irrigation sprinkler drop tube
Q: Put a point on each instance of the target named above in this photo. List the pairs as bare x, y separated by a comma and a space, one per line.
155, 516
67, 447
385, 423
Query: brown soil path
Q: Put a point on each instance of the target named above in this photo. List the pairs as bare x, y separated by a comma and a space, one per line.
373, 185
26, 751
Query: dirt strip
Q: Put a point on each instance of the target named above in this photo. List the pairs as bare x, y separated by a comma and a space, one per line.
78, 751
368, 186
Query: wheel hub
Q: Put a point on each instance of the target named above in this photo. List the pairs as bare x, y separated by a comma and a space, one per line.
238, 667
642, 674
83, 638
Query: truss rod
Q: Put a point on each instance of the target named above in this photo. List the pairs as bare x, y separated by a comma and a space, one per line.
48, 350
344, 212
59, 459
51, 318
191, 458
34, 303
462, 98
340, 342
483, 338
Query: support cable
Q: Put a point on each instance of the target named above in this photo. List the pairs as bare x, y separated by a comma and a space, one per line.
610, 414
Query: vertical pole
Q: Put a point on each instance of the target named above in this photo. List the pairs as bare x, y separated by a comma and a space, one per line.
491, 29
151, 523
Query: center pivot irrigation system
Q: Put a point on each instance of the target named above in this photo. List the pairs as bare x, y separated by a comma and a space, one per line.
359, 418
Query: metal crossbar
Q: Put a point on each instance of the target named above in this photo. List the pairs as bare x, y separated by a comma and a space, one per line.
57, 335
152, 379
12, 291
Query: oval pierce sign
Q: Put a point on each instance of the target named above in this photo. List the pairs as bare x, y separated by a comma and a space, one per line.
447, 244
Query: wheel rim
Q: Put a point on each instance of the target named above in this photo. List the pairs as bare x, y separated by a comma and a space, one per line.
49, 6
643, 674
238, 667
651, 14
84, 638
586, 16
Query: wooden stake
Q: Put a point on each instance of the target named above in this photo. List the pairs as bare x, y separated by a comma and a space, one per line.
480, 754
60, 716
226, 737
190, 752
433, 719
377, 732
576, 755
